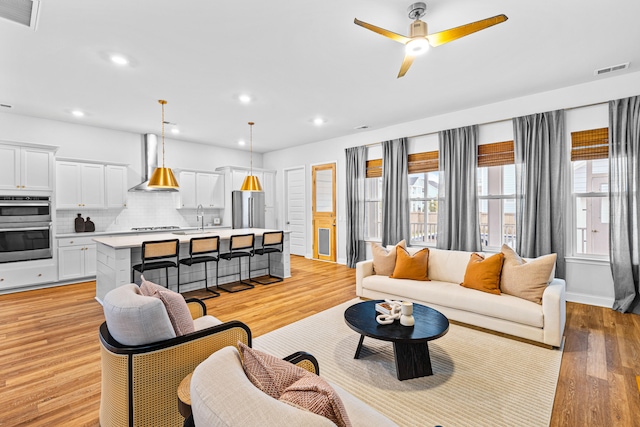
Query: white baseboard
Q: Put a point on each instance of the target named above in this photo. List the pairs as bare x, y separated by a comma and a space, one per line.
589, 299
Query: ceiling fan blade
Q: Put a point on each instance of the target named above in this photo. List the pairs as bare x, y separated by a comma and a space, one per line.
452, 34
406, 63
393, 36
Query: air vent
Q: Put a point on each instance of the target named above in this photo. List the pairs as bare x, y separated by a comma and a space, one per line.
362, 127
611, 68
24, 12
6, 106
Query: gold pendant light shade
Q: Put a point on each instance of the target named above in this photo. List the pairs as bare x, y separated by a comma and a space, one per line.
163, 177
251, 182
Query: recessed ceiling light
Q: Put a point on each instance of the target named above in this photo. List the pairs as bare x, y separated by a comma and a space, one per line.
319, 121
244, 98
119, 60
175, 130
241, 142
77, 113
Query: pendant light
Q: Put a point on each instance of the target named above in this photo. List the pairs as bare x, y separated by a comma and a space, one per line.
162, 177
251, 182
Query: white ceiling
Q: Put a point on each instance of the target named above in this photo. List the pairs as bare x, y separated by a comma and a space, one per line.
298, 59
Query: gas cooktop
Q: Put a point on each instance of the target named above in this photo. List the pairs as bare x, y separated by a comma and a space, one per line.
162, 227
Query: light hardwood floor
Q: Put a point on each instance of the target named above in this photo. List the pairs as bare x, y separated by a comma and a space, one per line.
50, 359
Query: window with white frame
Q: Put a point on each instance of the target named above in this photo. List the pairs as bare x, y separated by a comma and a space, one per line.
496, 195
424, 179
590, 191
373, 200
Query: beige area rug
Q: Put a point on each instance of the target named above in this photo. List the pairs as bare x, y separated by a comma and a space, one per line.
480, 379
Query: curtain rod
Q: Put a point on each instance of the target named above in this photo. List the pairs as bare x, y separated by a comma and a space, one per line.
373, 144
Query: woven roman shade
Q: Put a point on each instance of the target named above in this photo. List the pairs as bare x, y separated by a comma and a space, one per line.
590, 144
374, 168
423, 162
496, 154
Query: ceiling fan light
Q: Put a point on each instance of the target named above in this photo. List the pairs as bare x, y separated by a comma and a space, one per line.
417, 46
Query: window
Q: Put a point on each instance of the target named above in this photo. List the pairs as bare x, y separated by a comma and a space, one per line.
424, 181
590, 191
496, 194
373, 200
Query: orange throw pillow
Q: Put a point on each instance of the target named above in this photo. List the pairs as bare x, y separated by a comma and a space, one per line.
484, 274
411, 267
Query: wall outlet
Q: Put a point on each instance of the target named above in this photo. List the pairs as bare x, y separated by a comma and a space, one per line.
216, 221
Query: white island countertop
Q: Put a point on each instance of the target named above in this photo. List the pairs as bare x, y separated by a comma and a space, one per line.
129, 241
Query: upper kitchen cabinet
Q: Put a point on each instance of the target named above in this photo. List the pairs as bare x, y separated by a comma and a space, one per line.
79, 185
234, 177
115, 186
201, 188
87, 184
26, 168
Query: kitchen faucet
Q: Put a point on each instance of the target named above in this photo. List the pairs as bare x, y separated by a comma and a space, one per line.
200, 216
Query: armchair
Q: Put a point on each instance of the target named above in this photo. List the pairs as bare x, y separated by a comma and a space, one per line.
139, 381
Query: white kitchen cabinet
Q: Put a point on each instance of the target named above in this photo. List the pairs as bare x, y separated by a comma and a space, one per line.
79, 185
201, 188
115, 186
26, 168
76, 258
27, 274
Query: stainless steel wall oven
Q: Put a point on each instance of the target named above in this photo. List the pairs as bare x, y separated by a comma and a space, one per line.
25, 228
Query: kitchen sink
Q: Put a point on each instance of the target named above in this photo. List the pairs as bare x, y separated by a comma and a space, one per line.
187, 232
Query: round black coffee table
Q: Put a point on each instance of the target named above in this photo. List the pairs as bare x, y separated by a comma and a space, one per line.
410, 343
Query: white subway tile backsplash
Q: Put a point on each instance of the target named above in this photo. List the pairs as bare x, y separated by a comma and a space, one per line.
143, 210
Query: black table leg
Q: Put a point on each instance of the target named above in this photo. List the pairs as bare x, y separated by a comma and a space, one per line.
412, 360
357, 356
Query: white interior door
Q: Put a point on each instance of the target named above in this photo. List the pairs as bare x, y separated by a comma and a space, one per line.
294, 220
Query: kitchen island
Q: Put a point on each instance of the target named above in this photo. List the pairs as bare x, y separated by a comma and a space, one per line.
117, 254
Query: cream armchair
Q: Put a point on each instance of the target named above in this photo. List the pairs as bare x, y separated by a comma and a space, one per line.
139, 381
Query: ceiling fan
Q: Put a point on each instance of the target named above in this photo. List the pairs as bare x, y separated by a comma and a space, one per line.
419, 41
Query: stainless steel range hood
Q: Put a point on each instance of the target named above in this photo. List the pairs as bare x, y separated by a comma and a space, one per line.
149, 164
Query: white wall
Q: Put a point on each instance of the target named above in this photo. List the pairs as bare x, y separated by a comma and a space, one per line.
590, 285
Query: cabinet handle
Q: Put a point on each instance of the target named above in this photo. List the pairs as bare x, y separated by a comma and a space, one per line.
71, 242
39, 274
1, 279
17, 186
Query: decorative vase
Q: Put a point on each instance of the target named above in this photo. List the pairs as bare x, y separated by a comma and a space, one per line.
89, 225
79, 223
407, 319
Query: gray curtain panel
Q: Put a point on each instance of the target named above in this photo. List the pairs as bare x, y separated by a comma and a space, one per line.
458, 218
541, 158
395, 192
355, 178
624, 211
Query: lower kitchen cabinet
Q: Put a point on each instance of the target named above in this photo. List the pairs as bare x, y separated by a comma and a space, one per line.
76, 258
14, 275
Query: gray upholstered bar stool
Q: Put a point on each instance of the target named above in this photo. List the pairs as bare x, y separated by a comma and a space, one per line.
156, 255
272, 242
240, 246
204, 250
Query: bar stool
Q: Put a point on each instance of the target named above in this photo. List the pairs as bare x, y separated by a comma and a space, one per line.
272, 242
204, 250
158, 250
240, 246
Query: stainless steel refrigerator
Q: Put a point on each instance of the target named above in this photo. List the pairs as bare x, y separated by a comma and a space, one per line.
247, 209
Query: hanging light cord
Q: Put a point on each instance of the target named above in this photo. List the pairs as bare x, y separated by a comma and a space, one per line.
162, 102
251, 146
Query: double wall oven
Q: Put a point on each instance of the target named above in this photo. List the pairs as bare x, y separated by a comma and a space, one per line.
25, 228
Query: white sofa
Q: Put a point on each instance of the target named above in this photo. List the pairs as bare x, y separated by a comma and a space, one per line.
502, 313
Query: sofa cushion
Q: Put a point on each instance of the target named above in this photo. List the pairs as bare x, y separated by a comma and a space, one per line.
314, 394
174, 303
411, 266
136, 319
448, 266
452, 295
270, 374
526, 279
484, 274
384, 260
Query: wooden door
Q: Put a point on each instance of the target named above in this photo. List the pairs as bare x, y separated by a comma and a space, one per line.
324, 211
